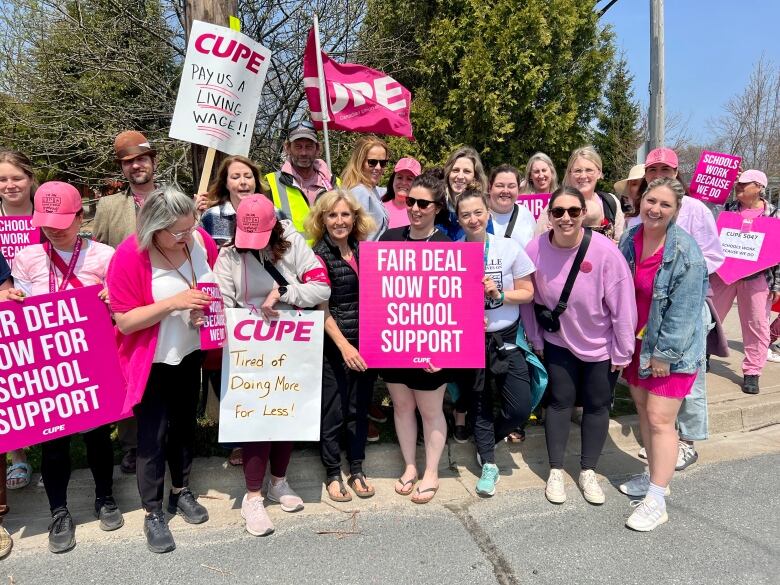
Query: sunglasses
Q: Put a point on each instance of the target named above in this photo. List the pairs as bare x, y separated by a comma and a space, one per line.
421, 203
574, 212
383, 162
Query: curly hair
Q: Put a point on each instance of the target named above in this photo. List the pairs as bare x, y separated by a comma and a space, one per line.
362, 225
218, 193
353, 174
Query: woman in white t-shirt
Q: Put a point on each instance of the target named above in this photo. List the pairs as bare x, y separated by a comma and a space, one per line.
509, 219
507, 285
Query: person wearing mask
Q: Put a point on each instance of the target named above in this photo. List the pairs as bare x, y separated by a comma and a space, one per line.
756, 293
507, 283
670, 278
367, 163
585, 345
461, 169
158, 310
540, 175
65, 261
243, 272
337, 224
406, 169
508, 219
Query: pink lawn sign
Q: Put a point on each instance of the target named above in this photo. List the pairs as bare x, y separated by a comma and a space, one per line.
750, 246
16, 233
212, 332
535, 202
422, 303
59, 369
714, 177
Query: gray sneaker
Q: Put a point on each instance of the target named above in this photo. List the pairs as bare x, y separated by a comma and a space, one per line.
638, 486
284, 495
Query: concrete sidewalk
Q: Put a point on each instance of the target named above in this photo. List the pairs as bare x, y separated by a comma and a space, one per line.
737, 426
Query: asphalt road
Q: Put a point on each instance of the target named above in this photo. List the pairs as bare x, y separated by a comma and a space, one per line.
724, 528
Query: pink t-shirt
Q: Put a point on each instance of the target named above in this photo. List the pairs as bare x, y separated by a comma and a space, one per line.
398, 215
751, 213
644, 279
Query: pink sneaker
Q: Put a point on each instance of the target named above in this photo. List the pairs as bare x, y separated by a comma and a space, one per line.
257, 521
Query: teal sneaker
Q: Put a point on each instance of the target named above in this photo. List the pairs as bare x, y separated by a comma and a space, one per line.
486, 486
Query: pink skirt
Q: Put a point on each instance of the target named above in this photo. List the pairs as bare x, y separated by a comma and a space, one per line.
672, 386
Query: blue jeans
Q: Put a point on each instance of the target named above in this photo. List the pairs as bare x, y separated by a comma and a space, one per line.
692, 420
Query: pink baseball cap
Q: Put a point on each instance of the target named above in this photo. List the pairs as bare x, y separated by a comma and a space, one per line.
753, 176
55, 205
662, 155
410, 164
255, 218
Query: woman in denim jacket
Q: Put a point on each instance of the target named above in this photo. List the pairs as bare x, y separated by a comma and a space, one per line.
670, 279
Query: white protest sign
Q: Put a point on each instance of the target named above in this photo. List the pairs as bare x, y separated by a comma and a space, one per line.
271, 377
220, 88
742, 245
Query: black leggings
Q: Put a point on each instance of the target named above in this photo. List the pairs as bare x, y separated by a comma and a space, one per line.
570, 378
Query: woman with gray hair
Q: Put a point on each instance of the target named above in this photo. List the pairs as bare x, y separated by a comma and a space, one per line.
153, 279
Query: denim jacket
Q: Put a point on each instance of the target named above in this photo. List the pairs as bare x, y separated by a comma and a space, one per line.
674, 332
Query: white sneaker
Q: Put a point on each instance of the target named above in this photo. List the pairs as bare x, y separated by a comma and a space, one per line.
686, 455
590, 487
555, 491
772, 356
637, 486
257, 521
647, 515
283, 494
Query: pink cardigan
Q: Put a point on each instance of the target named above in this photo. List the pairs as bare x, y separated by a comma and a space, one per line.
129, 281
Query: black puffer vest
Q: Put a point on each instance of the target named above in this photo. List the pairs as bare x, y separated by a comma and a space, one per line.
343, 303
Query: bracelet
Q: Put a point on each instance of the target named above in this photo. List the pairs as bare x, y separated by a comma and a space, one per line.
501, 298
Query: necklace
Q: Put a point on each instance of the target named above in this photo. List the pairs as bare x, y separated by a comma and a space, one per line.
194, 282
408, 231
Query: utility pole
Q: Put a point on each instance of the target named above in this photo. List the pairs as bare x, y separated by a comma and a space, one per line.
657, 113
216, 12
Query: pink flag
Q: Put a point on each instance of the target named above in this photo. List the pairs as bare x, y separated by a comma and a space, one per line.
360, 99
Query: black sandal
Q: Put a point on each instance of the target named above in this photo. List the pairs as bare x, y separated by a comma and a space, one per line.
367, 491
344, 494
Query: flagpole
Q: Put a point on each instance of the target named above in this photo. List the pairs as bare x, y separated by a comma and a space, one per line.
323, 94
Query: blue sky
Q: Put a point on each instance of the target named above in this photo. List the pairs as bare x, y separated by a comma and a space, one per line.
711, 47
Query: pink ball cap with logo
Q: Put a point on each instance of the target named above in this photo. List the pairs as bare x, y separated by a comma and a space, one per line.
662, 155
255, 218
55, 205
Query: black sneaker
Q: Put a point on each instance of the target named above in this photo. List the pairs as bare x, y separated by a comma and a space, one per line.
185, 505
750, 384
158, 537
128, 462
460, 434
62, 532
108, 513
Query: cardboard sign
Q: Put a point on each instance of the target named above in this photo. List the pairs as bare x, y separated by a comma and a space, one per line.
59, 369
16, 233
750, 246
220, 88
271, 377
535, 202
213, 332
714, 177
425, 304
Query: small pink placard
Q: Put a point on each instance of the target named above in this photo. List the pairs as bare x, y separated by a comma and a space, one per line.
16, 232
535, 202
422, 303
213, 332
750, 246
714, 176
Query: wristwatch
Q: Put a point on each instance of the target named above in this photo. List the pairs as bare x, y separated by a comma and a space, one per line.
282, 290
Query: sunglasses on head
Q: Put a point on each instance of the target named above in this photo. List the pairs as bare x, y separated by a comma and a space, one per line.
382, 162
421, 203
557, 212
298, 123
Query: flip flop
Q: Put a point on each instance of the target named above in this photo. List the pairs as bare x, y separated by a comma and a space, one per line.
18, 476
366, 492
344, 495
403, 491
425, 499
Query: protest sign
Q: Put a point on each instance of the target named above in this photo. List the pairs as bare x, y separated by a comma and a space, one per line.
212, 332
271, 377
750, 246
535, 202
425, 304
220, 88
714, 177
59, 369
16, 233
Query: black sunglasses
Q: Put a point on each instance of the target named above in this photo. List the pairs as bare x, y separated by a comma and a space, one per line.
574, 212
421, 203
382, 162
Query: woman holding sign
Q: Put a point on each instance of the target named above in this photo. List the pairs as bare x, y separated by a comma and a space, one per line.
336, 224
66, 261
582, 325
268, 267
153, 283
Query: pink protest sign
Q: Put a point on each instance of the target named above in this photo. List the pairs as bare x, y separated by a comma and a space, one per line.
422, 303
535, 202
750, 246
714, 177
16, 233
59, 369
212, 332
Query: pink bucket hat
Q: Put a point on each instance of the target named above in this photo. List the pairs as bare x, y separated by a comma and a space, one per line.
55, 205
662, 155
753, 176
255, 218
410, 164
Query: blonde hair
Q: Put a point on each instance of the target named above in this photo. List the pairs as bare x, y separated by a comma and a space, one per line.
314, 224
529, 184
588, 153
353, 174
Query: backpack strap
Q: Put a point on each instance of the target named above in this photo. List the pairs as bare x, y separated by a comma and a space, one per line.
609, 204
512, 220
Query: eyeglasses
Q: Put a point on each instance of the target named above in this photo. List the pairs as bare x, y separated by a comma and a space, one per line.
421, 203
574, 212
588, 172
184, 234
372, 162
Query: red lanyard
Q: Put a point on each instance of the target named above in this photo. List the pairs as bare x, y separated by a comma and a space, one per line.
68, 275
